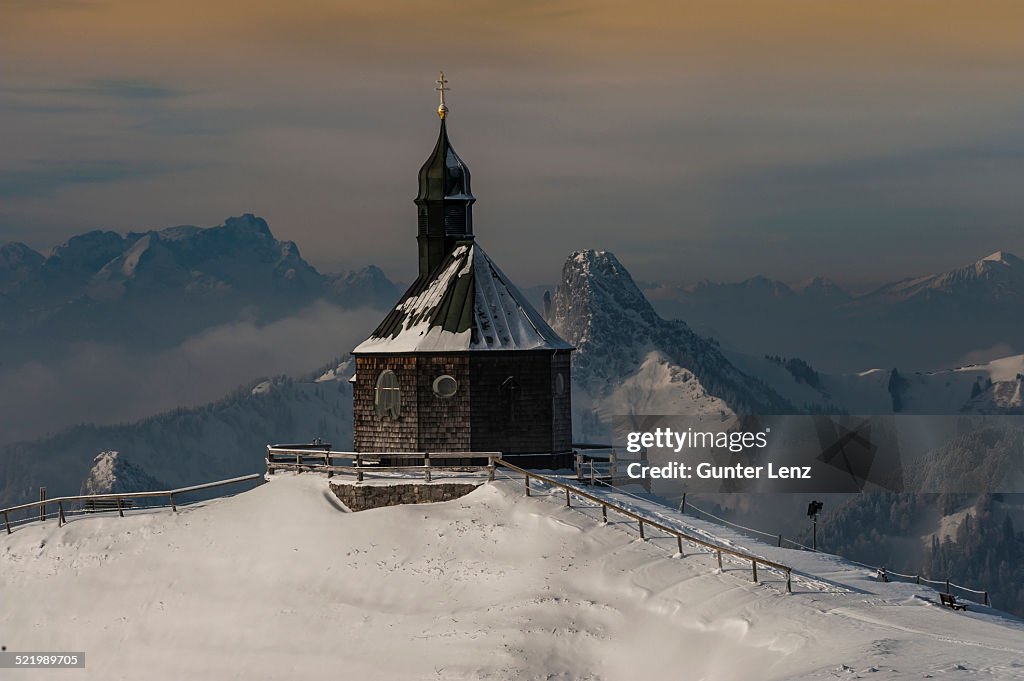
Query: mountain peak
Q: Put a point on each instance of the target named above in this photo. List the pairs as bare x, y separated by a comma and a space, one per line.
1002, 257
249, 224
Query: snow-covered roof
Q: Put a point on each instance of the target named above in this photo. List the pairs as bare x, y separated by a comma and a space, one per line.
466, 304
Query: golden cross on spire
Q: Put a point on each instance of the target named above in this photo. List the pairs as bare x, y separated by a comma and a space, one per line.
442, 87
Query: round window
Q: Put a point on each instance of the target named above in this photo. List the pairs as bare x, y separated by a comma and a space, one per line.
559, 384
445, 386
387, 398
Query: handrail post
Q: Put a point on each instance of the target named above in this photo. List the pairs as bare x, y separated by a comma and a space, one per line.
490, 469
682, 504
526, 483
120, 511
986, 598
604, 513
789, 581
426, 466
754, 564
679, 540
174, 507
780, 540
719, 560
359, 467
60, 514
42, 507
947, 586
7, 522
642, 529
567, 501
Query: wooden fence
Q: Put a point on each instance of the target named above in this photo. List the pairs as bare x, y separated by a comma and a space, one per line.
119, 502
647, 522
360, 463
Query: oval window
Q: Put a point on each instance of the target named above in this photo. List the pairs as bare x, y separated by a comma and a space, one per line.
387, 398
445, 386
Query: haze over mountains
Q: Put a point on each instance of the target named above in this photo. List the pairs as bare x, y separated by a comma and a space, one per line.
966, 315
110, 328
156, 288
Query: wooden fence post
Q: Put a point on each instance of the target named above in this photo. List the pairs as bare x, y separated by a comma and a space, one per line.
682, 504
986, 598
7, 522
604, 513
719, 560
359, 467
611, 464
579, 467
780, 540
60, 514
490, 469
754, 563
120, 511
679, 540
947, 586
789, 581
526, 483
42, 507
568, 502
174, 507
591, 472
426, 466
642, 529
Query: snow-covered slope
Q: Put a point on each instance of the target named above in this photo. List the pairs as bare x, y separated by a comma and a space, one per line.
281, 583
628, 358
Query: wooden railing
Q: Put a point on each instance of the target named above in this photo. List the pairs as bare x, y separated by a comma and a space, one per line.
647, 522
361, 463
120, 502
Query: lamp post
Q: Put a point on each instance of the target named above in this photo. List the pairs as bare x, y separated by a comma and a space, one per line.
813, 509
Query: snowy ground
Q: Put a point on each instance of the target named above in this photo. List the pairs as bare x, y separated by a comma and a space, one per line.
281, 583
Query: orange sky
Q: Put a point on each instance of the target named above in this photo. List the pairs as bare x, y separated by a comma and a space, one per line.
808, 128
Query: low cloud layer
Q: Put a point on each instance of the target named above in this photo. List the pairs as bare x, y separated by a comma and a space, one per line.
105, 384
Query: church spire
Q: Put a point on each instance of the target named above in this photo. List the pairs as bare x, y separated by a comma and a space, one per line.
444, 203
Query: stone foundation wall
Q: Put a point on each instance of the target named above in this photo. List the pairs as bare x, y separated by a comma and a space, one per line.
362, 497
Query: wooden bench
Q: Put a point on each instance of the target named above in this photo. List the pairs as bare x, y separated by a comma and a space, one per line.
949, 600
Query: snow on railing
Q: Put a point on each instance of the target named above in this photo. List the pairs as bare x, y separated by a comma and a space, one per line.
121, 502
644, 521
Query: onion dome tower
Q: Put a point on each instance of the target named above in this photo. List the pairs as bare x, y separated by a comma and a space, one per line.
444, 202
462, 363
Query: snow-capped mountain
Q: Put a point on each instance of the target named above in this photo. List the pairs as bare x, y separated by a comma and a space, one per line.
152, 289
630, 360
969, 313
113, 473
994, 277
991, 388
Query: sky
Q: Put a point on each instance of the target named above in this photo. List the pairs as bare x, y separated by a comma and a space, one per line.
861, 141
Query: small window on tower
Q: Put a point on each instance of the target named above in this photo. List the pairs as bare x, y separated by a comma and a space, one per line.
387, 398
445, 386
559, 385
